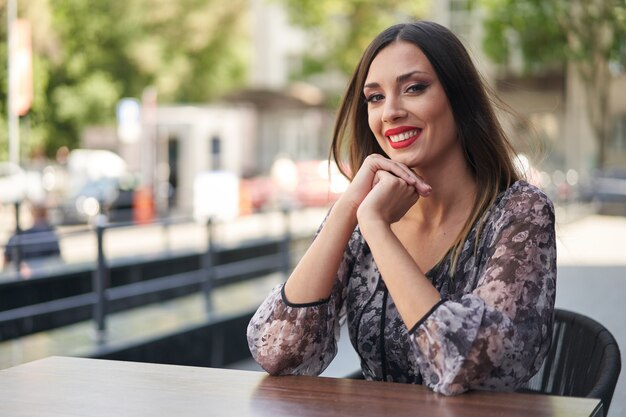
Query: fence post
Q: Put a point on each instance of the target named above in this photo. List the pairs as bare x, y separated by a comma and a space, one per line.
286, 243
165, 227
16, 253
100, 282
207, 263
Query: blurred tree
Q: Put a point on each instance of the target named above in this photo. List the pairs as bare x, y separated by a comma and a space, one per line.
340, 30
88, 55
590, 34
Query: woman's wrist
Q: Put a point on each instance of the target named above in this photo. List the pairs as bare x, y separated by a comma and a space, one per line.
372, 225
345, 208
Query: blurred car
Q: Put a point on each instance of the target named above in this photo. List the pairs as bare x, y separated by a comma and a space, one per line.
94, 181
17, 184
256, 192
608, 186
309, 183
112, 196
318, 184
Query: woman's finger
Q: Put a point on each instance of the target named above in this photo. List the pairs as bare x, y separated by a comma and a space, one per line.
378, 162
389, 200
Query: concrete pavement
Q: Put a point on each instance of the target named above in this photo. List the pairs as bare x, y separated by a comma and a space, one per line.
78, 243
592, 240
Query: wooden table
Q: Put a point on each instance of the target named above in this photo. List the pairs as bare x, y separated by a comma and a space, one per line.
71, 387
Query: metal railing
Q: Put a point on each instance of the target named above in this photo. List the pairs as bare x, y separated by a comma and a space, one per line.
206, 278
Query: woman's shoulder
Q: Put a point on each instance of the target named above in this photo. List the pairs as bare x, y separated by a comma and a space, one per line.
523, 194
522, 202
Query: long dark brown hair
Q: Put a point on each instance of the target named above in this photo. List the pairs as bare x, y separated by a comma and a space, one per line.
487, 150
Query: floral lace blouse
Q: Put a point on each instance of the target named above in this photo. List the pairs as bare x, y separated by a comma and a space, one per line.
491, 329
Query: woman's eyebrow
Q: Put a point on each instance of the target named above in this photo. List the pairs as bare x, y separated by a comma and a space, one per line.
399, 79
402, 78
371, 85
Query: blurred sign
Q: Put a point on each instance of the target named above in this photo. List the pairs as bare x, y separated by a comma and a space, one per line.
128, 114
22, 62
215, 195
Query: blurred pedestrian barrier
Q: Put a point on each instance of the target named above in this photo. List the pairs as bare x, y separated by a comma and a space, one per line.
77, 293
217, 342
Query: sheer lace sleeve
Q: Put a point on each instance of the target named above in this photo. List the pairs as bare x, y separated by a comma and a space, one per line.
300, 339
496, 336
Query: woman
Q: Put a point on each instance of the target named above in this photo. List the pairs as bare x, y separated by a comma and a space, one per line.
442, 260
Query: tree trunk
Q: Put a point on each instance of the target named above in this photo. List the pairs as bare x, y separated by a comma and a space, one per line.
597, 84
590, 33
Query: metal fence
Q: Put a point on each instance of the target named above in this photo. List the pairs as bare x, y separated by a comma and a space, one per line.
255, 258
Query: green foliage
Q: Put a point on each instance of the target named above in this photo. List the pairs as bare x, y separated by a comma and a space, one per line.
89, 54
339, 30
528, 26
590, 34
549, 32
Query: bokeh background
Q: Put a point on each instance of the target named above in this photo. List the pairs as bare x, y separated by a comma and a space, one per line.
151, 117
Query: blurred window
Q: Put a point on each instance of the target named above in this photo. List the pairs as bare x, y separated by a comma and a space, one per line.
460, 19
619, 132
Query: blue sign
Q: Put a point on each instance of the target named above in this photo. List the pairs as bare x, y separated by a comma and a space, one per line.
128, 113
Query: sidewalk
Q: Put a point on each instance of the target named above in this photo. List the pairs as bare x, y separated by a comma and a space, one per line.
155, 239
592, 240
591, 280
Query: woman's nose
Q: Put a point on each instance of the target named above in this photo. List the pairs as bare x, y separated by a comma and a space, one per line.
393, 110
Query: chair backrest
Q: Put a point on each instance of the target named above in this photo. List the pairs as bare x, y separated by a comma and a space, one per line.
583, 361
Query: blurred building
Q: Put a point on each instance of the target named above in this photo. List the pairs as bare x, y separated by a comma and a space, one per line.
554, 101
246, 131
276, 45
241, 135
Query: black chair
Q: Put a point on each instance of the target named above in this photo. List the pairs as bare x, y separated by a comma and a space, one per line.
583, 361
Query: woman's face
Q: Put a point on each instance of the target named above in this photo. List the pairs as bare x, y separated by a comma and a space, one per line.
408, 110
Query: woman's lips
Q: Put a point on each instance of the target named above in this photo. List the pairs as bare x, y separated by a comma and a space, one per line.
401, 138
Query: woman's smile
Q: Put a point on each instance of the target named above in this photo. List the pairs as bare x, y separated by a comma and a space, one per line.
401, 137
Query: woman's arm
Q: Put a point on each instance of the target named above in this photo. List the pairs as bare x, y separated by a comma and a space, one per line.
313, 277
288, 339
294, 331
387, 203
497, 335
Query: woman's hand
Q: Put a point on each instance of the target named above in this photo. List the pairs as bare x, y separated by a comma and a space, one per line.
366, 178
388, 201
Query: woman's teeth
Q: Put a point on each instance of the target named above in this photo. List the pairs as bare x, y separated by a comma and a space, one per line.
403, 136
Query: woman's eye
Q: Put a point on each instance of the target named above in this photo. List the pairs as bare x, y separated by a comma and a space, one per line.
373, 98
416, 88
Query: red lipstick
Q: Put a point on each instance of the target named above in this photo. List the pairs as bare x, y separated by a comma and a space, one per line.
402, 136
